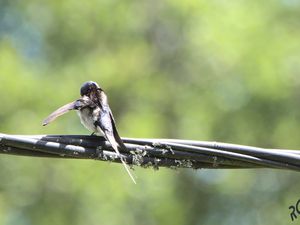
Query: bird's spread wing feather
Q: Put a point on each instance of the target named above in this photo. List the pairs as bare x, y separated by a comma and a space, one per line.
62, 110
80, 103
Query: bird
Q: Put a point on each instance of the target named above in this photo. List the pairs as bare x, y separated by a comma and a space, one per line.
95, 115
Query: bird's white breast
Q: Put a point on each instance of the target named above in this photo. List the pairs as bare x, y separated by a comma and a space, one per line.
86, 118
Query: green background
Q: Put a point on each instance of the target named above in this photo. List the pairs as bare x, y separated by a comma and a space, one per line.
214, 70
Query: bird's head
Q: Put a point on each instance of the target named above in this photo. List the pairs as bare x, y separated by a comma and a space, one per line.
89, 87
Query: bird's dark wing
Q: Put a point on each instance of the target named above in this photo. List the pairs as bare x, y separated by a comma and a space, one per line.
107, 124
108, 118
115, 131
80, 103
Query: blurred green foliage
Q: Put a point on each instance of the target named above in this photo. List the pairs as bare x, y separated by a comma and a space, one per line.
207, 70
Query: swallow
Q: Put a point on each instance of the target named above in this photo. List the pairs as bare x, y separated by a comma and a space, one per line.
95, 115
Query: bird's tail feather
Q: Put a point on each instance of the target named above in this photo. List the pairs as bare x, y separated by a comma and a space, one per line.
115, 146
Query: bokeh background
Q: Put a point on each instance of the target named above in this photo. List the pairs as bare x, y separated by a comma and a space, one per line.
206, 70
